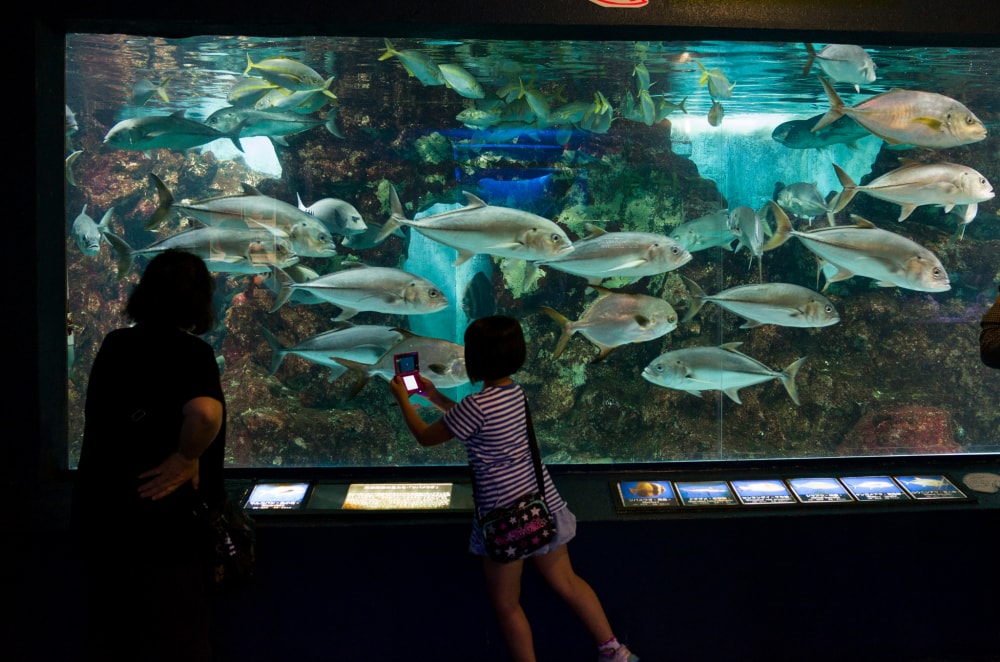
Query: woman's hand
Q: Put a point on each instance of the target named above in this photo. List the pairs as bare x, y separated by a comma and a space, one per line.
170, 475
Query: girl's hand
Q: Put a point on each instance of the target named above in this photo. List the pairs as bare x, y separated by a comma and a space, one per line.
398, 389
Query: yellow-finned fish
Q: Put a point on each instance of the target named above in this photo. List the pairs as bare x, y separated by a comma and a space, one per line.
418, 65
843, 63
460, 80
719, 86
909, 117
290, 74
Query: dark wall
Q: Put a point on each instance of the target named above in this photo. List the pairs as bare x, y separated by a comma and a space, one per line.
916, 586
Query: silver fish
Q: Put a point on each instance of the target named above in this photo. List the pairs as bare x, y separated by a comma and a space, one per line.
441, 361
479, 228
477, 118
615, 319
751, 231
843, 63
70, 159
916, 184
290, 74
719, 86
224, 250
340, 217
803, 200
303, 102
374, 289
783, 304
632, 255
365, 343
907, 117
704, 232
864, 250
275, 125
308, 235
722, 368
165, 132
88, 234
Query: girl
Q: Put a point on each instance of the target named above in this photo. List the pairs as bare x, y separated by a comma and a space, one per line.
493, 426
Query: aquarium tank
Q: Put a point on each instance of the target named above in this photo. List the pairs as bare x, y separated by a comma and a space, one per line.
718, 250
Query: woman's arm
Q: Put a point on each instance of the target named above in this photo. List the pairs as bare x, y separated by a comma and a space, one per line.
202, 422
426, 434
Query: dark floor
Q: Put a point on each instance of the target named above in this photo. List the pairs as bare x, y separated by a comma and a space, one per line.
911, 586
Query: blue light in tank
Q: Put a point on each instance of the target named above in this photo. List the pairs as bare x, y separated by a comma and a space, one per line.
745, 162
433, 260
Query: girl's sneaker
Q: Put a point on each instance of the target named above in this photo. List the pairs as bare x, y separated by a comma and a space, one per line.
622, 654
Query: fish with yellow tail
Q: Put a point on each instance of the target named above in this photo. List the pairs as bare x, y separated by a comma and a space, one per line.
417, 64
722, 368
615, 319
291, 75
719, 86
862, 249
908, 117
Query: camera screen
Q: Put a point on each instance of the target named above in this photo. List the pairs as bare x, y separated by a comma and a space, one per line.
406, 363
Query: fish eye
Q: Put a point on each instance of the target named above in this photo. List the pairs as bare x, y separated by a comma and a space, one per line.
556, 238
936, 271
969, 120
829, 309
432, 293
676, 250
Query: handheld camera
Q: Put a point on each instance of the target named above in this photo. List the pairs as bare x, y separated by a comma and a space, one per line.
408, 367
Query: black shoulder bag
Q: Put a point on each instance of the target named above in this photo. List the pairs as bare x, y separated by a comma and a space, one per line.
517, 531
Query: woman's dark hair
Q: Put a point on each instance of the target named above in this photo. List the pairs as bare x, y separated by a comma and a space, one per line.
175, 290
494, 348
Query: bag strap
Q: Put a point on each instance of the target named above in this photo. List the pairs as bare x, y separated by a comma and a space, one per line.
536, 456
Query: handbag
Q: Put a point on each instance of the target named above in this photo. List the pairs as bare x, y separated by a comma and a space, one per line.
231, 537
515, 532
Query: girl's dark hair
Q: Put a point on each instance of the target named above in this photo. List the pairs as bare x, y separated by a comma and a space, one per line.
175, 290
494, 348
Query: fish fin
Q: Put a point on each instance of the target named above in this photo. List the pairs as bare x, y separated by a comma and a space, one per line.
473, 200
567, 332
397, 215
733, 394
284, 283
787, 377
730, 346
106, 221
860, 222
628, 265
605, 350
783, 230
166, 201
389, 52
836, 107
346, 314
906, 210
463, 257
971, 210
697, 298
932, 122
278, 352
124, 252
751, 324
594, 230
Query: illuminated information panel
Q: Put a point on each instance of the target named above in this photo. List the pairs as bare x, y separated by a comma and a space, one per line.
638, 495
398, 496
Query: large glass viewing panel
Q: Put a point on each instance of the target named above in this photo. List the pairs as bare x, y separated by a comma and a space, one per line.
654, 213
